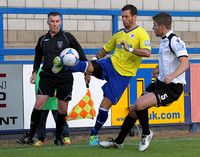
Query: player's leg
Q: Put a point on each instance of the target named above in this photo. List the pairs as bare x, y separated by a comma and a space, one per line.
101, 119
113, 90
36, 114
44, 90
41, 130
65, 134
63, 82
81, 66
141, 105
126, 126
60, 123
55, 115
35, 119
88, 67
128, 123
65, 131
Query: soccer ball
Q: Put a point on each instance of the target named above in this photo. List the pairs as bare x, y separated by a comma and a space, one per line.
70, 57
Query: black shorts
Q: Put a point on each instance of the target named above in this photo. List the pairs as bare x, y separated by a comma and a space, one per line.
165, 93
62, 82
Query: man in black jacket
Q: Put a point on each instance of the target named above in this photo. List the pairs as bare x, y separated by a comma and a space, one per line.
48, 47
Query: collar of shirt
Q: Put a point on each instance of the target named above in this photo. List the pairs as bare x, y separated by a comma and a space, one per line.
60, 32
166, 35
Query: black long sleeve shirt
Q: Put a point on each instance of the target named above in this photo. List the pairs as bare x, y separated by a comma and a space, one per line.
48, 47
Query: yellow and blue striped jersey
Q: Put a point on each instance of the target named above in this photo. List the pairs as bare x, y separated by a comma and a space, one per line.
124, 62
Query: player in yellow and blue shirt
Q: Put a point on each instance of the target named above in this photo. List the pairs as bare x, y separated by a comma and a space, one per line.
130, 45
125, 63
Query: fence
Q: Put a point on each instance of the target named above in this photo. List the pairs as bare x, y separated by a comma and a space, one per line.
88, 51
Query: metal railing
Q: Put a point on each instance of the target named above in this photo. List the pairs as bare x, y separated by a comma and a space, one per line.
88, 51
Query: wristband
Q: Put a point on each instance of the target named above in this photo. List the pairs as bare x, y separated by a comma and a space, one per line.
130, 50
94, 58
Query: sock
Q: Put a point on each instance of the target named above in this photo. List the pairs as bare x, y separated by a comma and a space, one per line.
101, 119
81, 66
35, 120
60, 123
126, 126
144, 121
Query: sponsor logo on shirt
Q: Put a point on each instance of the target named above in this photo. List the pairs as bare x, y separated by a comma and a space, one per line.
132, 36
46, 39
119, 46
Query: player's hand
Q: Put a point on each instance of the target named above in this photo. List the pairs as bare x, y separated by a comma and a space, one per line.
87, 78
155, 73
54, 96
124, 43
33, 77
168, 79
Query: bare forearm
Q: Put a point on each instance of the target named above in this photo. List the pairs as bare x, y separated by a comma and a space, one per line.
142, 52
138, 52
184, 65
155, 72
101, 53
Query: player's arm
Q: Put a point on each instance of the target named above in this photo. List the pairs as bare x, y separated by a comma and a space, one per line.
155, 72
33, 77
184, 65
37, 62
100, 54
178, 46
138, 52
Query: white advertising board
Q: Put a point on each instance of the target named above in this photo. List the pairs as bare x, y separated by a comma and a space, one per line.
11, 104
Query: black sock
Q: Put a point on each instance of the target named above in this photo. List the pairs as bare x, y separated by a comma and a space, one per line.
144, 121
126, 126
35, 120
60, 123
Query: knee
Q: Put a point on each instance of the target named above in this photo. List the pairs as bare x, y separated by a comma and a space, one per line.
138, 104
38, 106
90, 68
62, 106
132, 112
62, 110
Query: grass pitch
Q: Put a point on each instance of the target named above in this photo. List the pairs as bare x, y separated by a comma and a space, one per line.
179, 147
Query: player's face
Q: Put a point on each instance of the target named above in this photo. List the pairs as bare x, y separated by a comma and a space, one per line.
128, 20
158, 30
54, 23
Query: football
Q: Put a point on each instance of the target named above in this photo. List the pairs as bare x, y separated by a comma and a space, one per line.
70, 57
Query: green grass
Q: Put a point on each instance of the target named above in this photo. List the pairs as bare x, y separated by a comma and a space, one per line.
182, 147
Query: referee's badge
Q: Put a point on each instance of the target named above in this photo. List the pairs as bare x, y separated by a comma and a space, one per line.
60, 44
132, 36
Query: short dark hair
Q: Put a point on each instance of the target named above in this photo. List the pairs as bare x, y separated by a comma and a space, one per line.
163, 18
53, 13
132, 8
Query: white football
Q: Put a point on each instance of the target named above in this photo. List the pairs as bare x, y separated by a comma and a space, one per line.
70, 57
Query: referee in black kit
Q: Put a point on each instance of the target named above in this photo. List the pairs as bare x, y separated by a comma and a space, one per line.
48, 47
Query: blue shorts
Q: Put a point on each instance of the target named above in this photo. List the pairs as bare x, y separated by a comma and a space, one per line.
116, 83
